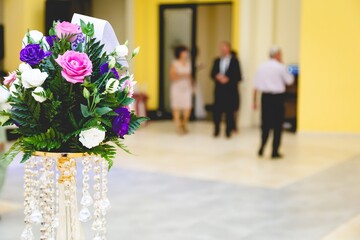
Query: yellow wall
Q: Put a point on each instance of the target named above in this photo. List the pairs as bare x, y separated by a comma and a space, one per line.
330, 66
19, 16
114, 11
146, 19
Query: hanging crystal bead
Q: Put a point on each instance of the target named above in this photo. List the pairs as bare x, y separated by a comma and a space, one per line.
27, 234
84, 215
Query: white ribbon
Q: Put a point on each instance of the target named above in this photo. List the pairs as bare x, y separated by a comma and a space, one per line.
103, 32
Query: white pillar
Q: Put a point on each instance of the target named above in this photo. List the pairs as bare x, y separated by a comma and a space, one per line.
256, 37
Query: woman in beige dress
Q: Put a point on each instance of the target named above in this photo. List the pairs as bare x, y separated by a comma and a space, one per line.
181, 89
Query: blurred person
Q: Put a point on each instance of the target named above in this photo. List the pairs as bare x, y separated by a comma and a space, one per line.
271, 79
226, 74
236, 112
181, 89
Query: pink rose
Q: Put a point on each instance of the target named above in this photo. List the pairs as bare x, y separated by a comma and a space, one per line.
128, 85
66, 29
75, 66
10, 79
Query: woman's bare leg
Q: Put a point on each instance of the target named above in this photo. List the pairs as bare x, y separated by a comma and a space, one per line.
186, 113
177, 120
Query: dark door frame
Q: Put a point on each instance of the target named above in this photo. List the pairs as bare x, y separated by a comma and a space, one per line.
164, 7
161, 113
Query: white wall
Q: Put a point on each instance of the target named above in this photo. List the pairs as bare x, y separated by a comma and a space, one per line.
264, 23
287, 28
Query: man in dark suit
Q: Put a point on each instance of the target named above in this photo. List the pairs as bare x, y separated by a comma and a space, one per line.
226, 74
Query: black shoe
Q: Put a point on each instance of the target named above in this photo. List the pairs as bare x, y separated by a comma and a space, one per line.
216, 133
228, 134
276, 156
261, 152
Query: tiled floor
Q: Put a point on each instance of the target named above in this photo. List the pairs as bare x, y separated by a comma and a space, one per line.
195, 187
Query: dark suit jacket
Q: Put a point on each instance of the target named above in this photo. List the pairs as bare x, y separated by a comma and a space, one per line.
227, 95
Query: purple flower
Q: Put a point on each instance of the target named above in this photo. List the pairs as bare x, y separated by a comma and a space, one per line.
104, 68
116, 74
80, 39
122, 121
50, 40
33, 54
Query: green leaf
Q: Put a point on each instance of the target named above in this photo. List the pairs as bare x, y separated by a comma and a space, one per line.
85, 111
73, 122
127, 101
135, 123
51, 139
9, 156
102, 110
97, 99
121, 145
26, 156
87, 29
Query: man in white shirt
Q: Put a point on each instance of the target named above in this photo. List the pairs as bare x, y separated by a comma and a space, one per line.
271, 79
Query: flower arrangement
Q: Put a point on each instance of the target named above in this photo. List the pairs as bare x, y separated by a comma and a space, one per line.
68, 95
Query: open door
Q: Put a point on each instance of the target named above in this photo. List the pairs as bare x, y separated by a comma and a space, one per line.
200, 27
177, 27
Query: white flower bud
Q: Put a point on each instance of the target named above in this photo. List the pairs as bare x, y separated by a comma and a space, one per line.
4, 94
39, 94
112, 85
86, 93
135, 52
35, 35
24, 67
112, 62
121, 51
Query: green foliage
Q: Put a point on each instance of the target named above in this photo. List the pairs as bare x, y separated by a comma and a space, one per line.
47, 141
26, 113
127, 101
8, 157
87, 29
94, 52
121, 145
135, 123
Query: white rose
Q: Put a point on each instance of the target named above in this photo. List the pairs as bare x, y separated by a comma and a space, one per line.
121, 51
33, 78
112, 85
91, 137
24, 67
35, 35
4, 94
112, 62
38, 94
13, 87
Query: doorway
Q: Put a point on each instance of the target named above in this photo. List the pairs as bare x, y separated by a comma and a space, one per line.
200, 27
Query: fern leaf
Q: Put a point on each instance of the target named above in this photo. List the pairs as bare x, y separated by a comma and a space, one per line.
9, 156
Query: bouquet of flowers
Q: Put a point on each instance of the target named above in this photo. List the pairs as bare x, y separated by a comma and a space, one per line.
68, 95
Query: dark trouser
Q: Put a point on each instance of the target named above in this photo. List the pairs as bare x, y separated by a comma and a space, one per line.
218, 112
272, 115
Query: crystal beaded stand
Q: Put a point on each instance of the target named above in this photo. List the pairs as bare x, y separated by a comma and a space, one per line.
50, 196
